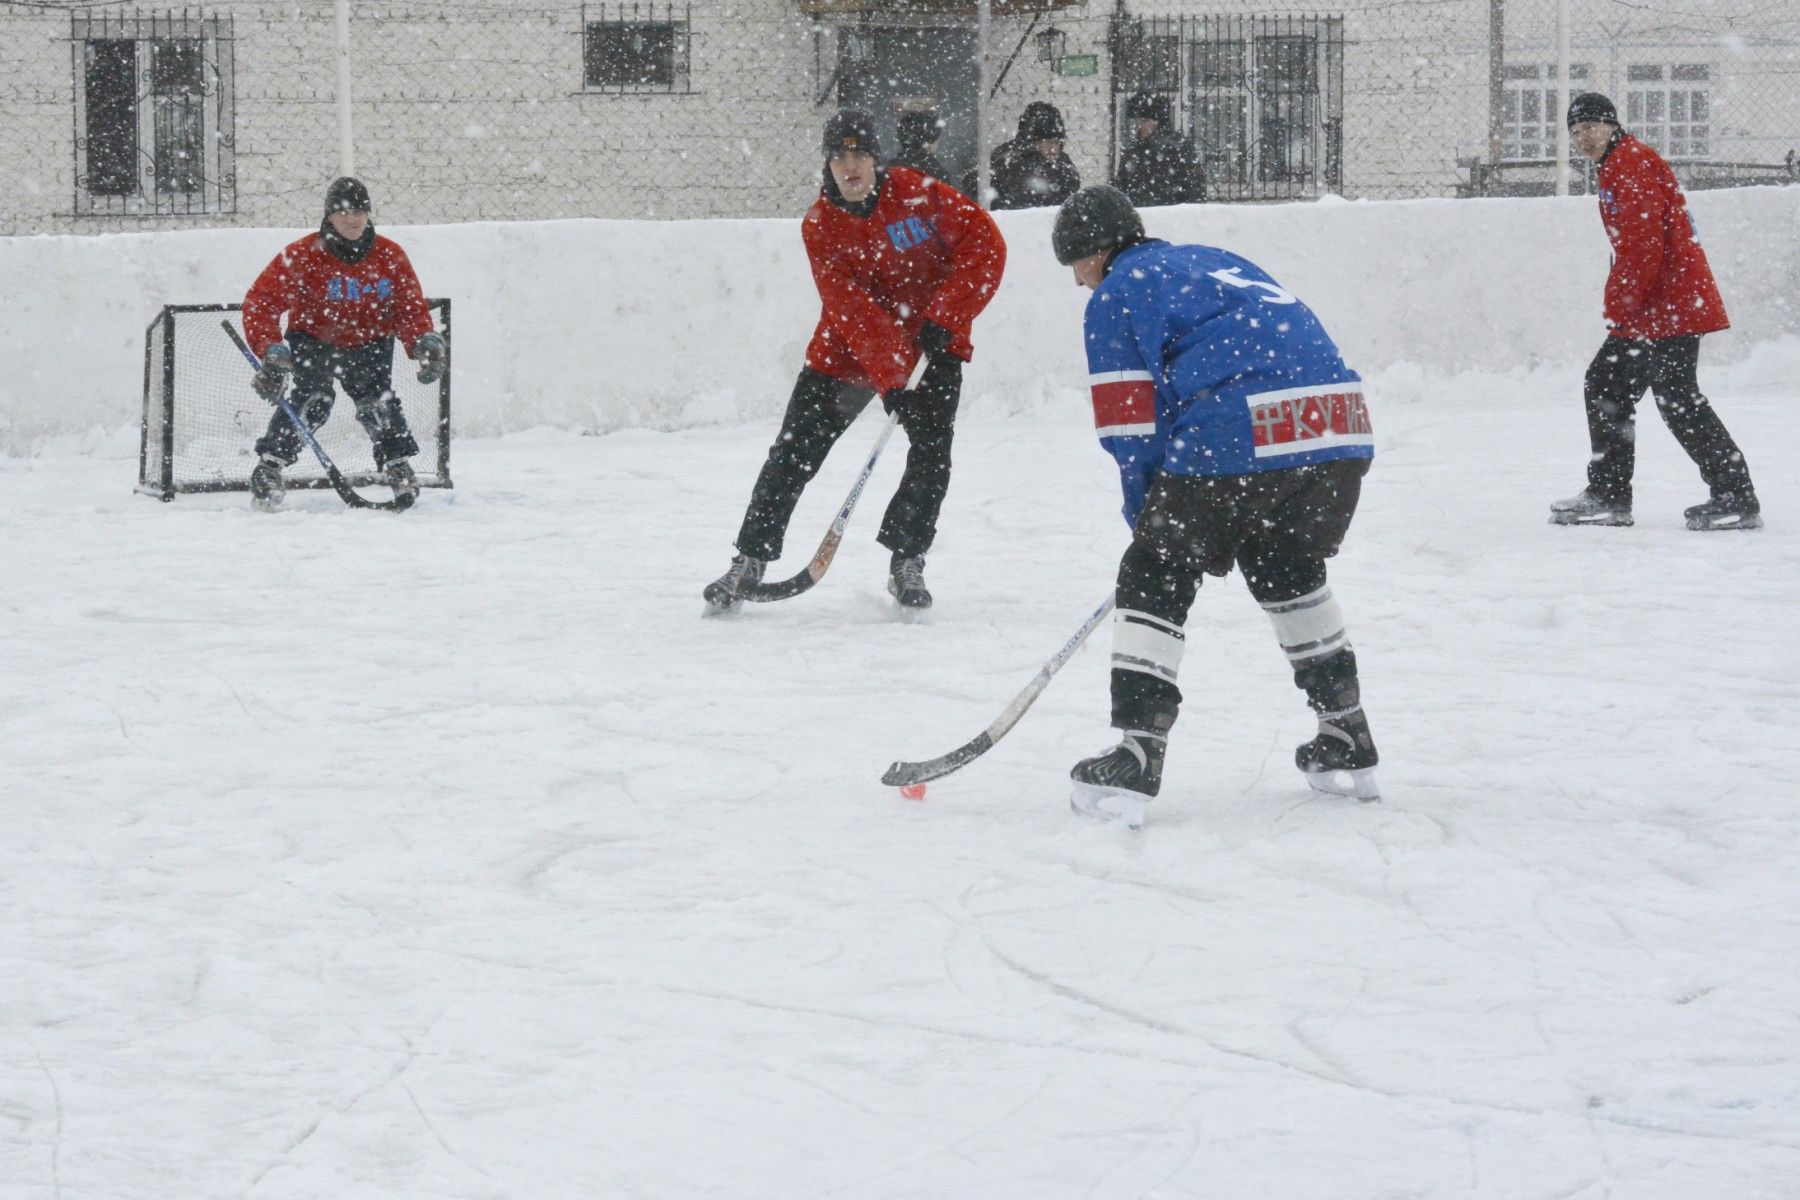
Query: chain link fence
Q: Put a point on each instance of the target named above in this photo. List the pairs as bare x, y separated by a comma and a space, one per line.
119, 116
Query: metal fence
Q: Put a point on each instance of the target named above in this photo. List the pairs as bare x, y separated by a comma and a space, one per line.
118, 116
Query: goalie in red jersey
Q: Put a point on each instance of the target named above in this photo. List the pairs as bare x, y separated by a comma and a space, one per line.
904, 264
347, 295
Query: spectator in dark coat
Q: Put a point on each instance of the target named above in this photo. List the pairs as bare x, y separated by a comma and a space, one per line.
1159, 167
1031, 170
920, 130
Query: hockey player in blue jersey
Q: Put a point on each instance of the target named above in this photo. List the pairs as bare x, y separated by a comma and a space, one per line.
1241, 439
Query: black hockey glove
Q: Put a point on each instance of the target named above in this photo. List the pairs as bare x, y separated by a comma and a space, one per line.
272, 376
934, 339
432, 356
941, 382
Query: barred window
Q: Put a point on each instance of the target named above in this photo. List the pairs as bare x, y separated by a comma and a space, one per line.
153, 114
1261, 96
635, 50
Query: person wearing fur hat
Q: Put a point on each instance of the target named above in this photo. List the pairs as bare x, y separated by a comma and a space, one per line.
904, 263
1660, 301
1159, 167
1032, 170
348, 294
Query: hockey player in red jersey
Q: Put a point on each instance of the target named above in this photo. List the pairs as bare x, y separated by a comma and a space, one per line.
904, 263
347, 294
1660, 299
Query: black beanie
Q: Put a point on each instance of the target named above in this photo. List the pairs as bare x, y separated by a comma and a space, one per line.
346, 195
850, 130
1592, 106
1040, 121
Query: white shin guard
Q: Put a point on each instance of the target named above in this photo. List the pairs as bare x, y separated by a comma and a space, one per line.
1147, 644
1308, 627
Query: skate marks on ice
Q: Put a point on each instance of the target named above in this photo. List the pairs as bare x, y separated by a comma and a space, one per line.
460, 860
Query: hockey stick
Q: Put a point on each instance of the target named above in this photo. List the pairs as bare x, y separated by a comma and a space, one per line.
901, 774
828, 548
339, 484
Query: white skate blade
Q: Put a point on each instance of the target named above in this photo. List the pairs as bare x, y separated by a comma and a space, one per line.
1360, 784
1609, 518
1109, 804
1725, 524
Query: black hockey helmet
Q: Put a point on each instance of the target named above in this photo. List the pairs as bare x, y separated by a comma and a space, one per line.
347, 195
920, 127
1092, 220
849, 129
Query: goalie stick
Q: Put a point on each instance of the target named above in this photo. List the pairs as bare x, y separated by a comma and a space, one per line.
762, 593
339, 484
902, 774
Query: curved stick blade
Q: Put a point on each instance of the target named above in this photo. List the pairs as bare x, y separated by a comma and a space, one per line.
902, 773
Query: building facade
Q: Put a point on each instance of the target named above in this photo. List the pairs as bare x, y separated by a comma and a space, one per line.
121, 117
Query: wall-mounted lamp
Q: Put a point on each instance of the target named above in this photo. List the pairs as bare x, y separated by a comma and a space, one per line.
1052, 44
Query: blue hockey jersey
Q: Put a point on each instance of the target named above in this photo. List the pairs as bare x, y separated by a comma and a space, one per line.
1201, 364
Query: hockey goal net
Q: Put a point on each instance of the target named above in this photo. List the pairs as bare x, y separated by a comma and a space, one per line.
202, 418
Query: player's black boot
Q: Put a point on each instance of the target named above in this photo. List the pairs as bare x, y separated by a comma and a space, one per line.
266, 487
1341, 758
906, 581
401, 478
1119, 784
1726, 510
721, 594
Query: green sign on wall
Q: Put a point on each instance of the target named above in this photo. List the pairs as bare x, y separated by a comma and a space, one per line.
1079, 64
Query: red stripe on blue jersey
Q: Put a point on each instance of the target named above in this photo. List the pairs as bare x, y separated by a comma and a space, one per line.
1124, 403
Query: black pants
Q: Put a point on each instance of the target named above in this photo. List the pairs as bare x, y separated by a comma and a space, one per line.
1616, 380
1277, 527
367, 375
818, 413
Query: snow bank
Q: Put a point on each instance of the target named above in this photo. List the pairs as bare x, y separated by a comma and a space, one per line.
599, 325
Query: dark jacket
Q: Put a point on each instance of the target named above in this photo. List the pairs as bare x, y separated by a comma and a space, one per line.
1161, 169
1023, 178
923, 161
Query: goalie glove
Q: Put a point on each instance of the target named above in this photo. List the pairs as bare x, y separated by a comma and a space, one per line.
272, 376
432, 355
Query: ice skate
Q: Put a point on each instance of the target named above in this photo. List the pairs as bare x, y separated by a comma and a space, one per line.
721, 594
1589, 509
1119, 784
401, 478
1341, 759
266, 487
906, 582
1726, 510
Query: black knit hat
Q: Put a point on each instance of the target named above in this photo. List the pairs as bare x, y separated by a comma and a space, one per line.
1148, 106
1040, 121
347, 195
1092, 220
1592, 106
850, 130
920, 127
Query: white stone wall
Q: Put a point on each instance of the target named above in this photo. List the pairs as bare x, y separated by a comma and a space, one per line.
474, 109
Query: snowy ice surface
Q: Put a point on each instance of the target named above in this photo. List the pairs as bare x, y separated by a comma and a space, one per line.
454, 854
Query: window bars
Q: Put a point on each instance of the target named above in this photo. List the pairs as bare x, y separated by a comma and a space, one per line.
154, 113
1261, 97
634, 49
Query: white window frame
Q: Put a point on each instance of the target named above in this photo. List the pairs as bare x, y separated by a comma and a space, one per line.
217, 192
1669, 105
1529, 121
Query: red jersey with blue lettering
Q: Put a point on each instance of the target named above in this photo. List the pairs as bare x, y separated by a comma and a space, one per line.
1661, 285
342, 304
1201, 364
925, 253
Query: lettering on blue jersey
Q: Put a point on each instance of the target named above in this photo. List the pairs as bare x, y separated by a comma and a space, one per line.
1233, 276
